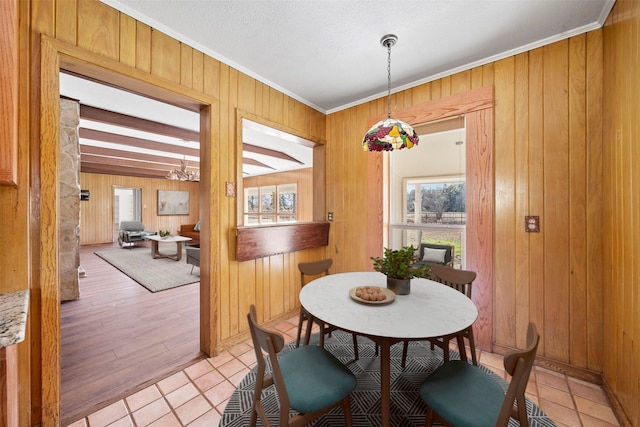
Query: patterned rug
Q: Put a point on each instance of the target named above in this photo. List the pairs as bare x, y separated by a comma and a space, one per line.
407, 407
154, 274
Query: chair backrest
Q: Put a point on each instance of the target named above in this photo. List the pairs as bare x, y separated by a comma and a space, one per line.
131, 226
518, 364
314, 268
434, 253
271, 342
461, 280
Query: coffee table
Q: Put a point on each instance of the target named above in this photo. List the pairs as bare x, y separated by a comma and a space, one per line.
155, 240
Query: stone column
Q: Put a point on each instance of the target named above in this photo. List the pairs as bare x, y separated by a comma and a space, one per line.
69, 199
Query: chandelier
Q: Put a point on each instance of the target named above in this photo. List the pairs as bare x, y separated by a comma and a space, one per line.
183, 174
389, 134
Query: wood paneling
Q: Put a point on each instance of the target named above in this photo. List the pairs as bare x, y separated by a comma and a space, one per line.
164, 68
9, 92
97, 224
621, 214
546, 163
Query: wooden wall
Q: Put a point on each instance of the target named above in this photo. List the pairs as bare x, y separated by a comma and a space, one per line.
548, 145
548, 162
97, 217
107, 37
621, 229
302, 177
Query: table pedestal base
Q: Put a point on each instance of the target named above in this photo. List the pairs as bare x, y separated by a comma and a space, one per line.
157, 254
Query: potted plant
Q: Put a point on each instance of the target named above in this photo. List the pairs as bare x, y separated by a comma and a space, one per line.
400, 267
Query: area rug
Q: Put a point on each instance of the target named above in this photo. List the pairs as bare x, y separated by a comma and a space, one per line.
154, 274
407, 407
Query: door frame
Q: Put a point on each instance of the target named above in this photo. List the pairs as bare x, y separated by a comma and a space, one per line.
477, 106
44, 252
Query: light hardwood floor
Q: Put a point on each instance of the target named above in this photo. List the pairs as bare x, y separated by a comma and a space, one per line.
118, 337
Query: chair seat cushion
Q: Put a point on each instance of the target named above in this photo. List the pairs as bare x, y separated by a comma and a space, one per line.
315, 379
463, 394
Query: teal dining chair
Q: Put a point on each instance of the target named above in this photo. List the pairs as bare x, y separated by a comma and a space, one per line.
460, 394
314, 269
308, 379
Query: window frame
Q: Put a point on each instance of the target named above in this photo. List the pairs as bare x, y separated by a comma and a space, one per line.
276, 213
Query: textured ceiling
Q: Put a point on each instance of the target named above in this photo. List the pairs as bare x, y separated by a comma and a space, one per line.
327, 53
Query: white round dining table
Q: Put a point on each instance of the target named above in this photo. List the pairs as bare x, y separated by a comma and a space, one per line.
430, 310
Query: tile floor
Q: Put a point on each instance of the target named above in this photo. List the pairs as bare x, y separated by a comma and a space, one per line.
197, 395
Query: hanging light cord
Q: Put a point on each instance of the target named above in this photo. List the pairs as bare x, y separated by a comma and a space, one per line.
389, 44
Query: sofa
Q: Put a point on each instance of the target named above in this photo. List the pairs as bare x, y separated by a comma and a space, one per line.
193, 231
132, 232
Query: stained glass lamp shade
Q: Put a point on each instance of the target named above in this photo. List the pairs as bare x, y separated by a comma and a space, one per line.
389, 134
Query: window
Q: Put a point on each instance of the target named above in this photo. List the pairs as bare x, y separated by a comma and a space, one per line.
440, 202
270, 204
440, 216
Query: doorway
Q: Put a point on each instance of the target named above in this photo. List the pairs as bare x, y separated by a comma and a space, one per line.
476, 106
427, 188
57, 56
127, 206
124, 139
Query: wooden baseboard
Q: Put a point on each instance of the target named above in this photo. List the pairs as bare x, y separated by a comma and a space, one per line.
243, 336
553, 365
618, 411
582, 374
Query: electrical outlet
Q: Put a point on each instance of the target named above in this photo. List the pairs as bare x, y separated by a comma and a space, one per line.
532, 224
329, 216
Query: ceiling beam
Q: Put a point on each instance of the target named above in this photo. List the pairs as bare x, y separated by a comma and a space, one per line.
122, 155
117, 119
119, 170
97, 135
268, 152
130, 163
253, 162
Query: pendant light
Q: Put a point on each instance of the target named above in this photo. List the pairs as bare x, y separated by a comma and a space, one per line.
389, 134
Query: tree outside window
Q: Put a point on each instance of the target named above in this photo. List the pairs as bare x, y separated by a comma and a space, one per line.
270, 204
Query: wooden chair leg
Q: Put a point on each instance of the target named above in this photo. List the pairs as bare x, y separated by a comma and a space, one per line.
472, 345
300, 321
445, 349
321, 334
405, 348
356, 354
307, 334
429, 418
461, 347
346, 407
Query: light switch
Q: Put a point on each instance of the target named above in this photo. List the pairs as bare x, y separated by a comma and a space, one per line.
532, 224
